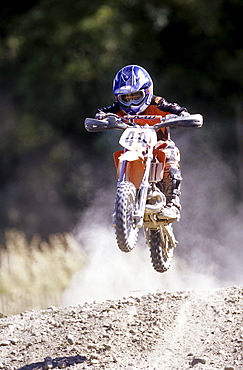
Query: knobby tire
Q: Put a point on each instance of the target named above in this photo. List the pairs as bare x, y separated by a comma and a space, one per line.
161, 242
125, 227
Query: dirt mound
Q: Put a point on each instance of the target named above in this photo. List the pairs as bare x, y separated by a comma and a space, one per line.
177, 331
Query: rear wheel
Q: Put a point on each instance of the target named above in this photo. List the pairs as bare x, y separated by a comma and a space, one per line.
161, 242
125, 226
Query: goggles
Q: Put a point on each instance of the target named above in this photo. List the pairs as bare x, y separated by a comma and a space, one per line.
131, 98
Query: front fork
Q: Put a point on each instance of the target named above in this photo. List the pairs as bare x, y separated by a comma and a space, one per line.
142, 196
143, 189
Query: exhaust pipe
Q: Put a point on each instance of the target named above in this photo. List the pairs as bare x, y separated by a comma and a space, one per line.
160, 201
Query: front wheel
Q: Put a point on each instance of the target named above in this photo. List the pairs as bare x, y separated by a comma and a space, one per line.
161, 242
125, 225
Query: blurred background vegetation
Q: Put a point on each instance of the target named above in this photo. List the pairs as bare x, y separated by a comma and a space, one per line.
57, 62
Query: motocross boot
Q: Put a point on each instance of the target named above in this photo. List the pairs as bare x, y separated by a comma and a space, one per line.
170, 185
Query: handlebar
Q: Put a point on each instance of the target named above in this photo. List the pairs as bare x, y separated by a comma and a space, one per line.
113, 121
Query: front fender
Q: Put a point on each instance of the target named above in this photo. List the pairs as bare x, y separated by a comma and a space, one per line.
135, 166
131, 156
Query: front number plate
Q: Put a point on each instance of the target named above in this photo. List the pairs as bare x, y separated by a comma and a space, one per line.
136, 139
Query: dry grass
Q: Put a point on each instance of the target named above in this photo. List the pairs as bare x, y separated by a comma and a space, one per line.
33, 275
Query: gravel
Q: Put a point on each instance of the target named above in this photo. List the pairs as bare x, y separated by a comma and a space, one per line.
176, 331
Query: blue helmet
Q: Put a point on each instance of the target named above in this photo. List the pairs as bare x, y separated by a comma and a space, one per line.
133, 89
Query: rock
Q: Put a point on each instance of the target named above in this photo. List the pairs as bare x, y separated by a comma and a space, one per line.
198, 360
70, 339
48, 363
51, 308
5, 342
94, 361
95, 356
107, 346
61, 364
14, 340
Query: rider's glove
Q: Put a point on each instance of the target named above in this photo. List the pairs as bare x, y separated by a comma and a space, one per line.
100, 115
184, 114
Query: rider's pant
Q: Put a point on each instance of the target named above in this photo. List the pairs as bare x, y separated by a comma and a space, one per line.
172, 174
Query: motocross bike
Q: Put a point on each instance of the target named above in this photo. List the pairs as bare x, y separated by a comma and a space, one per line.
139, 199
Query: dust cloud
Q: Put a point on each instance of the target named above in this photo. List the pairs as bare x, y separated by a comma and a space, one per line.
210, 235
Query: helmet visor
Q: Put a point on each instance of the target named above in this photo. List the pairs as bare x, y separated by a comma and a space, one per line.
132, 98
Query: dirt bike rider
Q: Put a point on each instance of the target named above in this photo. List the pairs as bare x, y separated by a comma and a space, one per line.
133, 89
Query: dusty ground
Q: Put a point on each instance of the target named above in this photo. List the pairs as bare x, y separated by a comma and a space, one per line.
175, 331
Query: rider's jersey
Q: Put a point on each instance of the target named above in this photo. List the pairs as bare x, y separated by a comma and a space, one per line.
158, 106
